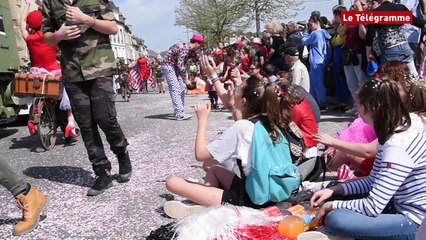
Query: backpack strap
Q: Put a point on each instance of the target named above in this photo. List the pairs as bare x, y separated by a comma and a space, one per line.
243, 187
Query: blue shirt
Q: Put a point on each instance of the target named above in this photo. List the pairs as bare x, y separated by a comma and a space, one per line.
318, 41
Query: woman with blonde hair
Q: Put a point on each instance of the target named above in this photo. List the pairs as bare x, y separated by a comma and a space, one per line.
275, 28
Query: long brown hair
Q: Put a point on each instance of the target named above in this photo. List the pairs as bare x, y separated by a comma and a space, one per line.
265, 102
389, 113
253, 90
291, 95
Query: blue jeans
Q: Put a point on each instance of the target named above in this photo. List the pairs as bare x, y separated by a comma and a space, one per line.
339, 76
344, 222
355, 77
402, 53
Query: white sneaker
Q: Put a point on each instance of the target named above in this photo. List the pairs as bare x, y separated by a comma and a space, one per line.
179, 210
185, 117
314, 186
352, 111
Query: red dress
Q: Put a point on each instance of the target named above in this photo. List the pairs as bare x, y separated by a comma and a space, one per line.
42, 54
304, 118
144, 68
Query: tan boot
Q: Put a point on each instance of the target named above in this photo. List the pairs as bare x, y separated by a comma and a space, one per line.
32, 205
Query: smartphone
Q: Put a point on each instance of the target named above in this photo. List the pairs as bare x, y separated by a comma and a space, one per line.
226, 86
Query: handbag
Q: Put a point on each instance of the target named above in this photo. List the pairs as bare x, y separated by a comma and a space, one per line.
295, 141
350, 57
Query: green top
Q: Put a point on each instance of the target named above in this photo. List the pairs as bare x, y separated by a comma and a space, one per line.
90, 56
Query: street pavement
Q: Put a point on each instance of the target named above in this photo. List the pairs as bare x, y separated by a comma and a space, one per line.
159, 148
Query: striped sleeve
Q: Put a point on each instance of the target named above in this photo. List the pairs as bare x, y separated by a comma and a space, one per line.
395, 167
359, 186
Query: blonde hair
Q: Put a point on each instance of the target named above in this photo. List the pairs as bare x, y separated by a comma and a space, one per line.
274, 27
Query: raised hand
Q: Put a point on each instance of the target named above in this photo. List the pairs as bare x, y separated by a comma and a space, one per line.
203, 109
206, 67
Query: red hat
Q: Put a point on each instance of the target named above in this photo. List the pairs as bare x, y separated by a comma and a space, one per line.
197, 38
241, 43
34, 20
219, 52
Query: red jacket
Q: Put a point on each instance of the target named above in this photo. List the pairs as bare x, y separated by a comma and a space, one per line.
304, 118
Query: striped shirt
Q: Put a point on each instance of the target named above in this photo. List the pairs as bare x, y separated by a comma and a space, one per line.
399, 172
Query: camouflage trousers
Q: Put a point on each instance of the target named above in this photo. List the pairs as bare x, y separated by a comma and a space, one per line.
93, 106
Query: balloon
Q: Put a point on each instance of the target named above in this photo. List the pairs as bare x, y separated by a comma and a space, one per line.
291, 226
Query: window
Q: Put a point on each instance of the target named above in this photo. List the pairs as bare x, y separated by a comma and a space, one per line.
2, 31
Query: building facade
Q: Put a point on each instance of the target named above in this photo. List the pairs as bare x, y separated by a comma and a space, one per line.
124, 44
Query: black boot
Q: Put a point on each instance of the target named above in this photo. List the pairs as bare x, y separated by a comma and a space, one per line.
103, 180
125, 166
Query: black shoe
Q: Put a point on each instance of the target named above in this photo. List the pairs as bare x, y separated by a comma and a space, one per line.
125, 166
102, 183
323, 108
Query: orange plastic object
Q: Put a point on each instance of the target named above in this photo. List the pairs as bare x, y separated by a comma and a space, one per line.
291, 226
295, 209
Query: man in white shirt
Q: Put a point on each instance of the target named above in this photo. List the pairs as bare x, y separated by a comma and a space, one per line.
298, 70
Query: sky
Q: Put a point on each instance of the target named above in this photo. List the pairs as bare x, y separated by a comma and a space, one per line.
154, 20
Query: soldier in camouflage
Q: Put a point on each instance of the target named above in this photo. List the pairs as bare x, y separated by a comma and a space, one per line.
124, 79
81, 29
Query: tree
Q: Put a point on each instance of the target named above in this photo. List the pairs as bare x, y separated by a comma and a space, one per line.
215, 19
265, 10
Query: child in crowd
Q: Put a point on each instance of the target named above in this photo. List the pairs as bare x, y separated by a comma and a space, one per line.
256, 102
304, 118
397, 178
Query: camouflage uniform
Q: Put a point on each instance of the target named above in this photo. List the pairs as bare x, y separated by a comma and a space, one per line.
123, 76
88, 64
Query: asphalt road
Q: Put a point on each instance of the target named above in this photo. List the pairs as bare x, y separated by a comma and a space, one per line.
159, 147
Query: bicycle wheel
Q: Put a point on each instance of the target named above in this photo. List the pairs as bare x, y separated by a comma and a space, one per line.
47, 124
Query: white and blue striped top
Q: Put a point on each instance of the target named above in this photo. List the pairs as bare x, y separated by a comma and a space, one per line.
399, 171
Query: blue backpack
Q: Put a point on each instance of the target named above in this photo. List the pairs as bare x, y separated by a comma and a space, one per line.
273, 176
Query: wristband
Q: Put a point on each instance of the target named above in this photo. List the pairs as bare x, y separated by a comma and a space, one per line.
213, 78
57, 37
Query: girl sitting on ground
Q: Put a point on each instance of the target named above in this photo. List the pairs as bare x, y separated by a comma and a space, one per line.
356, 147
255, 101
397, 178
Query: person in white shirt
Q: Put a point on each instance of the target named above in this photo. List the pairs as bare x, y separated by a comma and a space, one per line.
297, 69
256, 101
